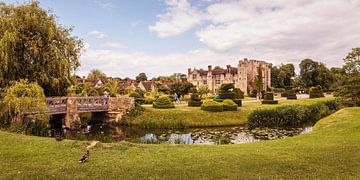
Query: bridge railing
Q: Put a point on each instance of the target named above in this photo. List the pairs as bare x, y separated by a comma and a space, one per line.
58, 105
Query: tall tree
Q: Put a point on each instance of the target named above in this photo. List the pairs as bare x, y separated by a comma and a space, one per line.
34, 47
274, 76
259, 81
286, 73
95, 74
141, 77
315, 73
349, 89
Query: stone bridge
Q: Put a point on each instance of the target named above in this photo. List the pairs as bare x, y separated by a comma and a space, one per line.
72, 106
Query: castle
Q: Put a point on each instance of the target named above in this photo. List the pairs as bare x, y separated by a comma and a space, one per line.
243, 76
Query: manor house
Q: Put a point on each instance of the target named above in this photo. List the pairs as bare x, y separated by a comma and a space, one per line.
243, 76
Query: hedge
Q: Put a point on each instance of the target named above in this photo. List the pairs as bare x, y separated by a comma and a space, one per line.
163, 102
148, 100
291, 94
212, 106
238, 102
137, 96
229, 105
316, 92
227, 95
194, 103
238, 93
269, 96
292, 115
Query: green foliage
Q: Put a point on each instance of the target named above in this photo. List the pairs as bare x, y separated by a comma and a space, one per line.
127, 118
316, 92
212, 106
203, 90
163, 102
229, 105
315, 73
85, 118
195, 97
282, 76
141, 77
269, 96
194, 103
113, 87
23, 97
226, 88
259, 84
141, 92
293, 115
138, 98
348, 89
290, 93
148, 100
238, 102
181, 88
238, 93
34, 47
96, 74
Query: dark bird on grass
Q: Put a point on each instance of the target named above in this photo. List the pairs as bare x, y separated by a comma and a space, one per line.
85, 157
59, 137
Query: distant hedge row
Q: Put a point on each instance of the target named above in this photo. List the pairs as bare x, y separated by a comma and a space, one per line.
293, 115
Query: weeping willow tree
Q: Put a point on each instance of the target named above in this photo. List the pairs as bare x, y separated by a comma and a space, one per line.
23, 98
34, 47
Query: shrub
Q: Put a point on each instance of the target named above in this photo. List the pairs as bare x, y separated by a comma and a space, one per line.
148, 100
316, 92
212, 106
227, 95
229, 105
194, 103
291, 94
269, 96
226, 87
138, 98
163, 102
238, 93
238, 102
291, 116
195, 97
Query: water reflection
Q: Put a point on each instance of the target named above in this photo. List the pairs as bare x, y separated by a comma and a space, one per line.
224, 135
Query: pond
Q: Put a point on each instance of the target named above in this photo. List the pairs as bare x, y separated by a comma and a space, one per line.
218, 135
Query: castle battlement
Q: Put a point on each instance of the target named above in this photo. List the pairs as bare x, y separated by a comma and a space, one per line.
243, 76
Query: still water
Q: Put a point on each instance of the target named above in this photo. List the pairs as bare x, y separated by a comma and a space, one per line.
218, 135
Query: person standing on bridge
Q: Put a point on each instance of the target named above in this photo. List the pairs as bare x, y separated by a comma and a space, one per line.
106, 97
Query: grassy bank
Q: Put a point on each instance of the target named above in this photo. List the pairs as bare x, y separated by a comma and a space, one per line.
184, 116
330, 151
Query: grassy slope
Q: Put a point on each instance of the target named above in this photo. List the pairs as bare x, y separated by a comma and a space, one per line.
331, 150
195, 117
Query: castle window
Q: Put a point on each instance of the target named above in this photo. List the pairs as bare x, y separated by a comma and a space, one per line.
234, 81
204, 82
194, 76
217, 81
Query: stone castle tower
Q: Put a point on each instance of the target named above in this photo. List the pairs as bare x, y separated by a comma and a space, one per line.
243, 76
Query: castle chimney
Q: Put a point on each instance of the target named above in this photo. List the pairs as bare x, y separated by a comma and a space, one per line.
189, 71
209, 67
245, 59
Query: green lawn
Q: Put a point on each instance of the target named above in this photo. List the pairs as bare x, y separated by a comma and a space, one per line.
331, 151
184, 116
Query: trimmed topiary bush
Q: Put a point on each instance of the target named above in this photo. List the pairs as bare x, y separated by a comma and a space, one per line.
163, 102
269, 98
195, 100
238, 102
238, 93
148, 100
291, 94
212, 106
316, 92
229, 105
227, 95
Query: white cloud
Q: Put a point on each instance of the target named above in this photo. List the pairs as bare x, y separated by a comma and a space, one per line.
135, 23
113, 45
272, 29
104, 5
179, 17
97, 34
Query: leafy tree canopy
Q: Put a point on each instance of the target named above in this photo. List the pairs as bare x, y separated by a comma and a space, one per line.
315, 73
34, 47
96, 73
141, 77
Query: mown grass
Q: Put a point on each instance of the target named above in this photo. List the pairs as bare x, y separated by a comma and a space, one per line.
184, 116
331, 151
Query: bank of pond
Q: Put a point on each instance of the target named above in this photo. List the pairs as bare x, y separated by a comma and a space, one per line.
262, 124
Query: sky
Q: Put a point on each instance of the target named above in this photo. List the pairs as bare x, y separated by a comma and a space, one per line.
160, 37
